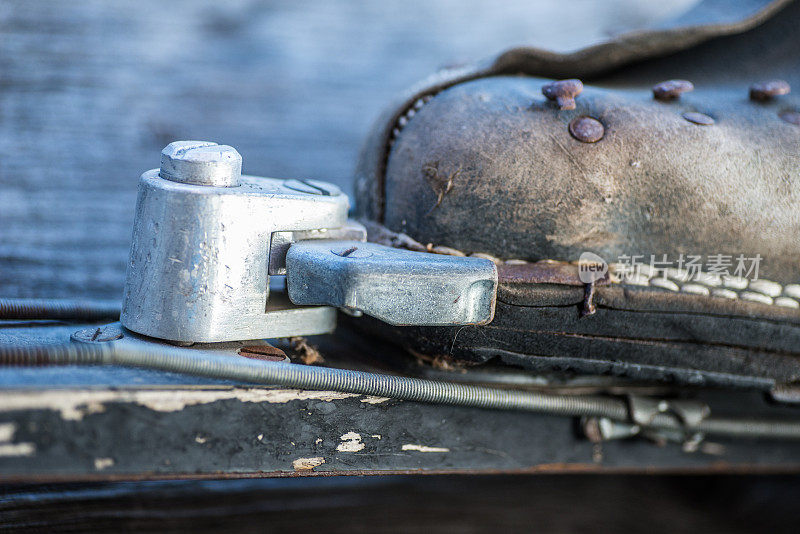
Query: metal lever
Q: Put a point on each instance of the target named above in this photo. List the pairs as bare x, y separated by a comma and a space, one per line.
397, 286
206, 240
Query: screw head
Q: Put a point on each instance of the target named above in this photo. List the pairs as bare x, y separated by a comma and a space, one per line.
563, 92
698, 118
587, 129
765, 90
671, 89
201, 163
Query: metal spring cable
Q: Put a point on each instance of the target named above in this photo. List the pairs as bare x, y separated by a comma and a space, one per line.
72, 310
205, 364
211, 365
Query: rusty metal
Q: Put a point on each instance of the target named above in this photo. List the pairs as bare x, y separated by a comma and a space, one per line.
588, 300
587, 129
698, 118
792, 117
768, 89
563, 92
264, 352
591, 429
671, 89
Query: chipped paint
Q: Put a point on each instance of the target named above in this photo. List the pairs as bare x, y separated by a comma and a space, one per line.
376, 436
17, 449
200, 439
74, 404
318, 441
7, 431
304, 464
260, 437
423, 448
102, 463
370, 399
351, 442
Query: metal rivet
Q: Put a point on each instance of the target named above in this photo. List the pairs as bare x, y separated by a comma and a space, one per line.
587, 129
563, 92
762, 91
201, 163
698, 118
671, 89
792, 117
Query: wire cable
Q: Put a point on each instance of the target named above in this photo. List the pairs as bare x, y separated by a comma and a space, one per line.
58, 309
212, 365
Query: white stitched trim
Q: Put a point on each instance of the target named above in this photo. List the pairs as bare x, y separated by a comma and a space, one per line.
787, 302
403, 119
672, 279
695, 289
755, 297
734, 282
680, 275
663, 283
637, 279
792, 290
766, 287
724, 293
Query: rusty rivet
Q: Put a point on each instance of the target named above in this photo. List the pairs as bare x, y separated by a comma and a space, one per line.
263, 352
671, 89
591, 429
698, 118
762, 91
792, 117
563, 92
586, 129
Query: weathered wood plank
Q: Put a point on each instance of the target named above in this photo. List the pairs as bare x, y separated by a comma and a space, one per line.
445, 505
142, 433
92, 423
91, 91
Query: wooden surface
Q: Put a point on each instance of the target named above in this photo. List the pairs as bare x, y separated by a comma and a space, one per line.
444, 505
91, 423
91, 91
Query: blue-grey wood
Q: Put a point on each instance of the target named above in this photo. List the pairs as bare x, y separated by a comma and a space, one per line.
91, 91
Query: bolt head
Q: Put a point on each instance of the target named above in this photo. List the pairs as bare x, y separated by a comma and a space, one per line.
587, 129
763, 91
201, 163
563, 92
671, 89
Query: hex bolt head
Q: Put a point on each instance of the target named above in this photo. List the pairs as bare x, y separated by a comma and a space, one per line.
563, 92
763, 91
201, 163
587, 129
671, 89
